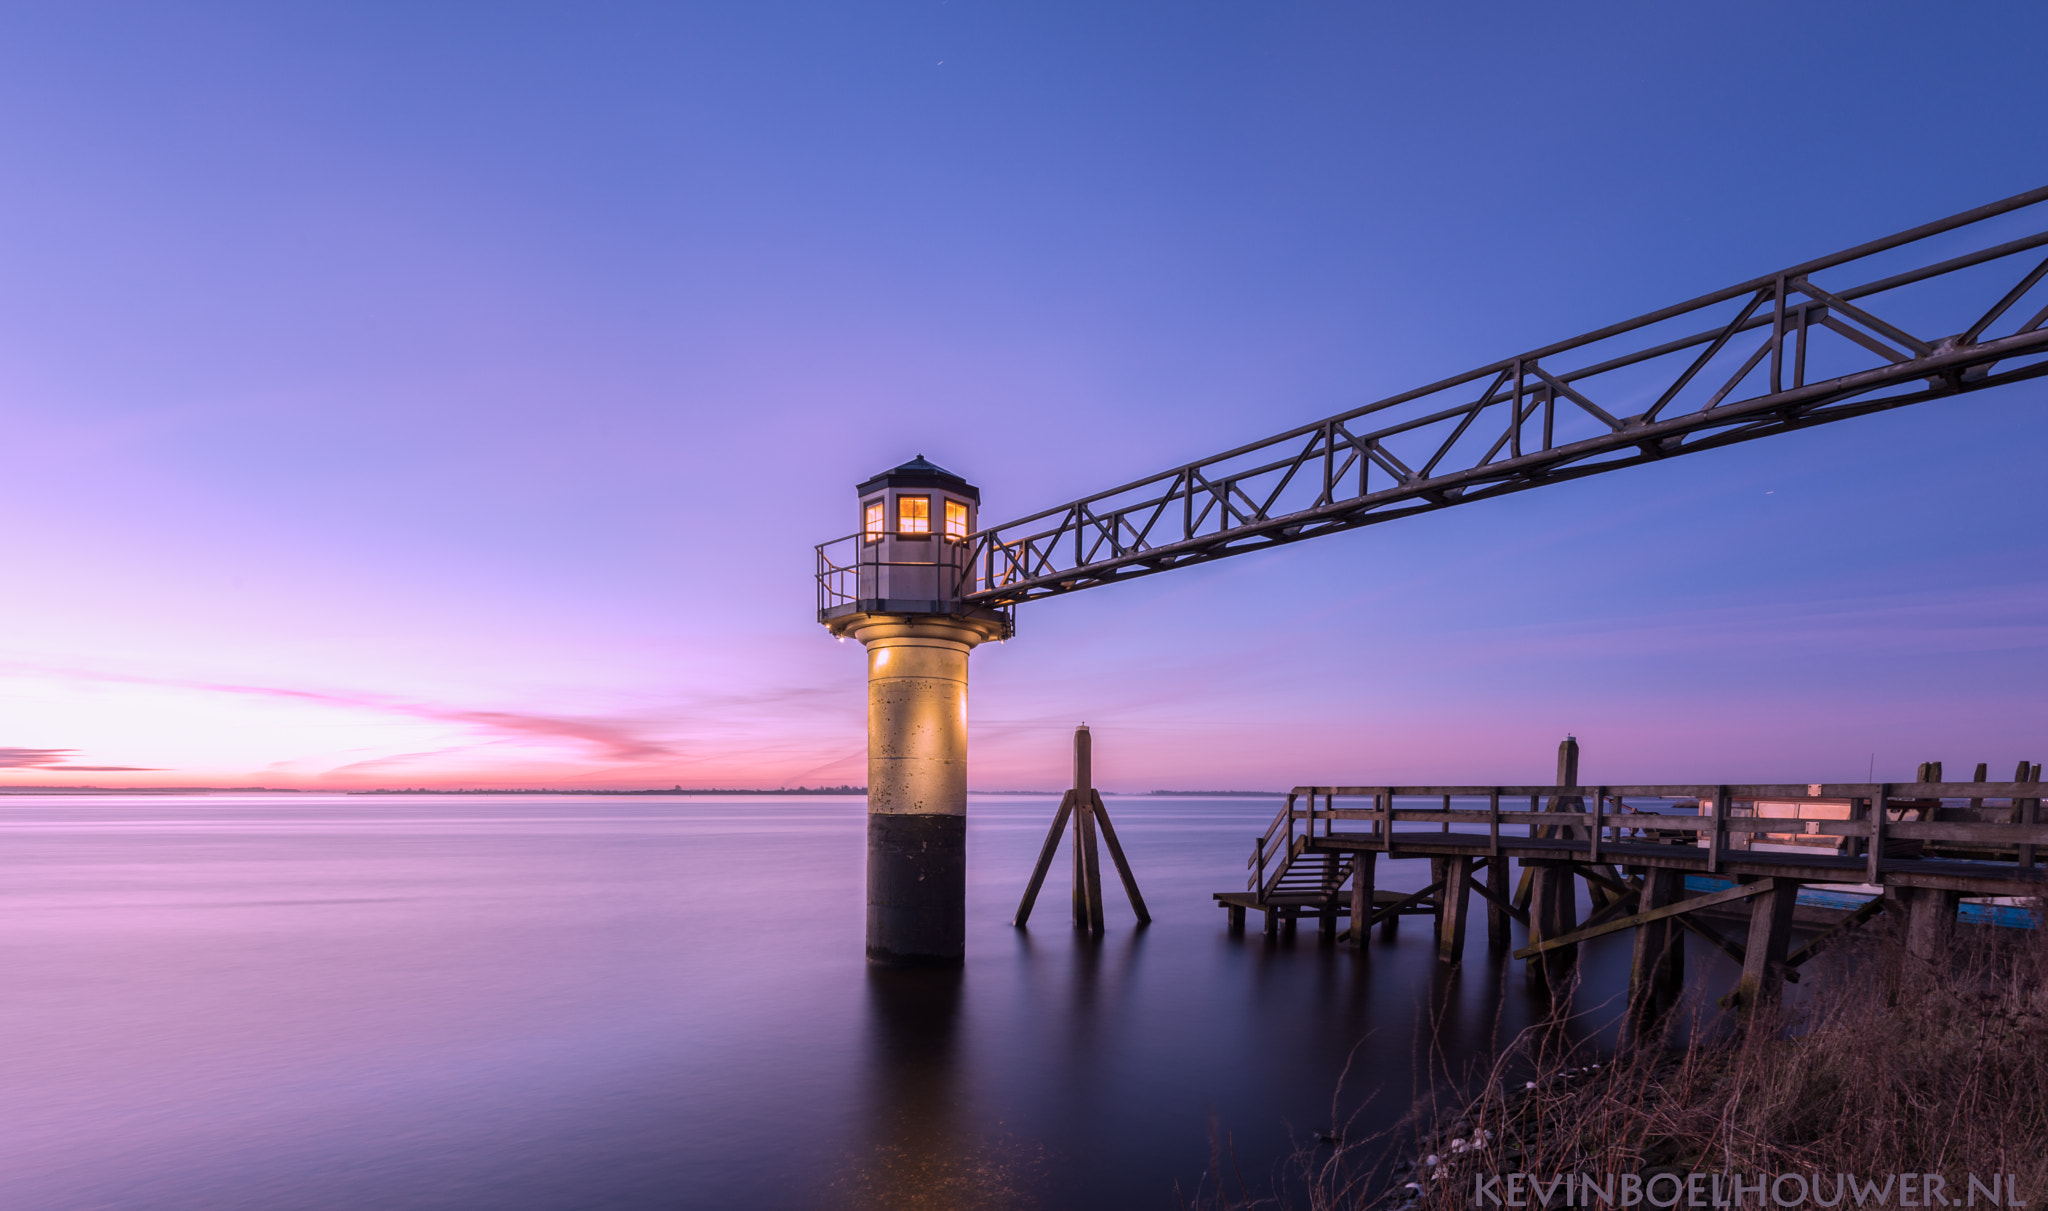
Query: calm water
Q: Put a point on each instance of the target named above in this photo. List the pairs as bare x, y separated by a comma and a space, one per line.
310, 1001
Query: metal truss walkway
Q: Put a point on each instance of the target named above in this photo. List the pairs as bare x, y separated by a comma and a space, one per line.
1946, 308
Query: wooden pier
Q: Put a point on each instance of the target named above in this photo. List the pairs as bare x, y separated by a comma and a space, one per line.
1922, 846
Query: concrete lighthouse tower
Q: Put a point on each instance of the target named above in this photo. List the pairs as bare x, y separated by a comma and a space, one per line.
896, 586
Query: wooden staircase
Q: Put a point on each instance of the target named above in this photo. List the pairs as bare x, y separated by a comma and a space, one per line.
1305, 876
1296, 873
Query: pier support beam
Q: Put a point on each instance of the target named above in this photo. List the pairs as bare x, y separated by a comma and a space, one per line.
1453, 909
1656, 975
1497, 919
1362, 865
1770, 939
917, 782
1930, 922
1553, 913
1554, 891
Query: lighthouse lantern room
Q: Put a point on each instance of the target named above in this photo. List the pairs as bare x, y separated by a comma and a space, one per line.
914, 523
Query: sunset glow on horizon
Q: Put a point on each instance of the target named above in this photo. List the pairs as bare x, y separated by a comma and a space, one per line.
404, 399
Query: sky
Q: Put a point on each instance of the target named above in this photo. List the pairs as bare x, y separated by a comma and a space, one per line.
451, 395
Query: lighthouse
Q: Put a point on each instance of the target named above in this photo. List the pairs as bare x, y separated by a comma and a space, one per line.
897, 585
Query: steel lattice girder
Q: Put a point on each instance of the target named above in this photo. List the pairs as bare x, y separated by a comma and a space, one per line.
1747, 375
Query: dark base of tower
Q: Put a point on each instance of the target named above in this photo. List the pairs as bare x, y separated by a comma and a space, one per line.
917, 890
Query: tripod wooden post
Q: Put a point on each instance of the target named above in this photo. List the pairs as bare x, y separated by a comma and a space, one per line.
1084, 805
1087, 862
1123, 865
1045, 856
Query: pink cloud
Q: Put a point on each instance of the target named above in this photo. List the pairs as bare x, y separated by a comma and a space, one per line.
614, 739
54, 758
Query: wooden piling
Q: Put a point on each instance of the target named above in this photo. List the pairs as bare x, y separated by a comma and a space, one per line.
1554, 893
1553, 913
1770, 940
1453, 903
1498, 936
1656, 973
1930, 921
1362, 864
1437, 869
2027, 811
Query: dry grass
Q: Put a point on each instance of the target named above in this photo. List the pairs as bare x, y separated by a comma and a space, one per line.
1888, 1067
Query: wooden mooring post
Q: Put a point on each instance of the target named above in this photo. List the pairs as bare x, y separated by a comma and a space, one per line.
1083, 805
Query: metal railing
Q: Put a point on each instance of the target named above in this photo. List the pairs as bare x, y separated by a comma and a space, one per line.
853, 576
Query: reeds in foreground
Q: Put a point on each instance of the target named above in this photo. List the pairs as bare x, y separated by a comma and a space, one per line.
1891, 1066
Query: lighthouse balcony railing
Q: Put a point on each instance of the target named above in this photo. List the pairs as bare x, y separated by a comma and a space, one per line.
895, 574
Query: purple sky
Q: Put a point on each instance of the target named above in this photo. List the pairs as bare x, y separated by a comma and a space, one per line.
452, 395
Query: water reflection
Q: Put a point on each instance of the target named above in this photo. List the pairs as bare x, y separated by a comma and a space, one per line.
329, 1001
921, 1149
1100, 969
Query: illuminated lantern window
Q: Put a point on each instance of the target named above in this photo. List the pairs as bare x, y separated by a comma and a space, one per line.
913, 515
871, 521
956, 519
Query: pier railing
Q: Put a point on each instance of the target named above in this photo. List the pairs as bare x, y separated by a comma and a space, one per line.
1995, 827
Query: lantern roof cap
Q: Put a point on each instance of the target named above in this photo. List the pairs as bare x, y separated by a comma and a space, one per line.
919, 473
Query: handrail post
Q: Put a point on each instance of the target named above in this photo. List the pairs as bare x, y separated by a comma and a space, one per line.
1259, 869
2029, 813
1289, 851
1599, 800
1493, 825
1717, 841
1880, 819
